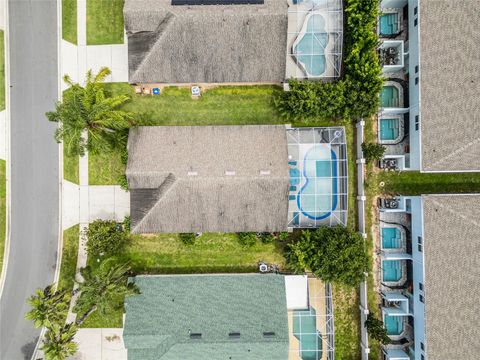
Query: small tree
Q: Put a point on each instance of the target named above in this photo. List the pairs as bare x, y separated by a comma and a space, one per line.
105, 237
187, 238
88, 108
373, 151
48, 307
104, 286
334, 254
58, 343
247, 239
376, 329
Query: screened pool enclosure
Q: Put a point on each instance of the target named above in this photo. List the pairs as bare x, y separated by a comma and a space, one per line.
314, 41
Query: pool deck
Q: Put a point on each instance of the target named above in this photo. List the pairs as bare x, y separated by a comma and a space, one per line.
316, 298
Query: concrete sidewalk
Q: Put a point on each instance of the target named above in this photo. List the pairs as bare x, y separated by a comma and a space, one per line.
76, 60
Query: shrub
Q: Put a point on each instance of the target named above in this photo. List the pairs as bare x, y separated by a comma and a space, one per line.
373, 151
267, 238
334, 254
357, 94
127, 224
187, 238
105, 237
283, 236
376, 330
247, 239
123, 182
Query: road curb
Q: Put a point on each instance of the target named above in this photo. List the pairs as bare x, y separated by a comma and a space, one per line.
8, 207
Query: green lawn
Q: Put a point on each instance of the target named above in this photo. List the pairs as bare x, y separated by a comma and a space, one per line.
104, 22
416, 183
71, 168
3, 210
166, 254
2, 70
69, 20
347, 321
69, 257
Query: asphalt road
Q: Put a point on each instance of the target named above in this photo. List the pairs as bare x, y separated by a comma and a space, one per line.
34, 169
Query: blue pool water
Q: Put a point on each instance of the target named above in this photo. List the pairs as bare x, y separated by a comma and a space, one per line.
389, 24
294, 176
393, 324
389, 96
318, 196
389, 129
391, 238
309, 51
305, 330
392, 270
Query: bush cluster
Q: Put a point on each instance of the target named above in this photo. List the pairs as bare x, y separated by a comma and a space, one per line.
334, 254
187, 238
354, 96
105, 238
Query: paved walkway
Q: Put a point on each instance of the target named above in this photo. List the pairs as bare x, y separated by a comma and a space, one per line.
77, 59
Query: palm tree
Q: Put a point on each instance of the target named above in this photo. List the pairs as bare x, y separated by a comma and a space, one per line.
89, 109
49, 307
104, 286
58, 343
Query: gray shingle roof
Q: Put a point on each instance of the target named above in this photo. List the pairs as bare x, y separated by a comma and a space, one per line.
213, 44
452, 276
158, 321
450, 84
179, 182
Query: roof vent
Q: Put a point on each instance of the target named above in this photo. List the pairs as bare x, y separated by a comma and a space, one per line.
192, 173
195, 335
234, 335
264, 172
269, 334
230, 173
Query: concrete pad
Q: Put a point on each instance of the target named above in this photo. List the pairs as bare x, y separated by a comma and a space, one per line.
3, 133
122, 203
119, 63
84, 206
70, 204
101, 203
2, 14
115, 57
100, 344
69, 62
99, 56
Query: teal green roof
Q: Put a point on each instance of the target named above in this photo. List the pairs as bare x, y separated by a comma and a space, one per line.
159, 321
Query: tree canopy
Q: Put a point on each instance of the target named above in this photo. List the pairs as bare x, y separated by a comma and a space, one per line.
88, 108
334, 254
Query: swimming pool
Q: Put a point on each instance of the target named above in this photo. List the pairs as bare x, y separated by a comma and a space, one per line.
391, 270
389, 96
305, 330
317, 197
389, 129
309, 47
393, 324
391, 238
389, 23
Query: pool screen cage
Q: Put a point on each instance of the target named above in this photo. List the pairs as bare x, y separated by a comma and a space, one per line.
318, 193
315, 39
314, 328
